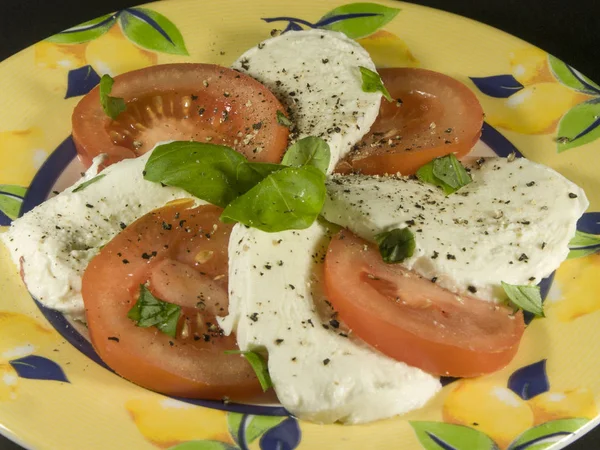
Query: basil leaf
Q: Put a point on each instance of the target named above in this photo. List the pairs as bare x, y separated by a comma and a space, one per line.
261, 170
214, 173
291, 198
308, 151
445, 172
396, 245
85, 184
526, 297
259, 365
283, 120
150, 311
371, 82
451, 171
112, 106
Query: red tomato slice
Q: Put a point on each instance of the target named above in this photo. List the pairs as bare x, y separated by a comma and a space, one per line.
181, 253
437, 116
411, 319
200, 102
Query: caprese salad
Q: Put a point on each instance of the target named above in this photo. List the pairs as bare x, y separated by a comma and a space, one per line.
298, 221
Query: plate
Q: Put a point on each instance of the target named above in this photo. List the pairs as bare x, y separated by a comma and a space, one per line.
56, 393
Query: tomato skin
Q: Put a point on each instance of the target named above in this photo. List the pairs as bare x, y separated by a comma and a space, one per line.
438, 116
184, 101
193, 364
412, 319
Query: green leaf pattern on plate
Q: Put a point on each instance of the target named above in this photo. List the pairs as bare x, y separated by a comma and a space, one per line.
582, 239
447, 436
11, 199
254, 426
580, 125
152, 31
142, 26
583, 244
572, 78
358, 27
204, 445
547, 434
85, 32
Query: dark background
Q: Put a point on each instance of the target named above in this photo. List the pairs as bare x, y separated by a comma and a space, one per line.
567, 29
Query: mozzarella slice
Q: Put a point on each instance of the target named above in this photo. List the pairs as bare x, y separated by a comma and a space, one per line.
276, 303
315, 74
54, 242
513, 223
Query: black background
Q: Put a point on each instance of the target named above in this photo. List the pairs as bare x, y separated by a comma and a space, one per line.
569, 30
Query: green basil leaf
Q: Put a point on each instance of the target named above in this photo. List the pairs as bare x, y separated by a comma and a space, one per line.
215, 173
259, 365
449, 170
357, 20
261, 170
308, 151
371, 82
446, 172
152, 31
290, 199
526, 297
85, 32
11, 200
579, 126
425, 174
85, 184
150, 311
112, 106
571, 77
396, 245
283, 120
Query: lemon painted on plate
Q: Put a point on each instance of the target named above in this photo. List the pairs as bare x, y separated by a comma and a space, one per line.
388, 50
579, 285
25, 149
530, 65
49, 55
102, 54
22, 336
166, 422
488, 407
560, 405
9, 380
535, 109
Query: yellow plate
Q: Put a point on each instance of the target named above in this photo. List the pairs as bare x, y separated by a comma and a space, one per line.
55, 395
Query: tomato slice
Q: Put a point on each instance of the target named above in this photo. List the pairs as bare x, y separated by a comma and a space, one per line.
433, 115
181, 254
200, 102
411, 319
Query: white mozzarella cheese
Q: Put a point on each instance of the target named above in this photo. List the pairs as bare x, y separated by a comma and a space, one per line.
320, 374
54, 242
315, 74
513, 223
